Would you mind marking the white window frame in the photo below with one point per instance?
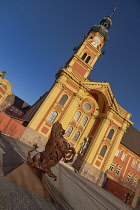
(117, 153)
(52, 117)
(123, 157)
(133, 164)
(138, 169)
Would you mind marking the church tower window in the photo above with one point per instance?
(63, 100)
(84, 56)
(87, 59)
(52, 117)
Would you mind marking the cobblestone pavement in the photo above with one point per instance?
(71, 190)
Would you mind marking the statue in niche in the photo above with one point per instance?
(84, 146)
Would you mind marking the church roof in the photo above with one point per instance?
(131, 140)
(17, 102)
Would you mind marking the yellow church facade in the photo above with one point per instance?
(94, 122)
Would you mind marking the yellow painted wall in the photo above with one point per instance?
(5, 89)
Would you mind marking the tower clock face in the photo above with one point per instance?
(96, 42)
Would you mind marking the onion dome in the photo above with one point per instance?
(105, 24)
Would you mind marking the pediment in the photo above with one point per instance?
(105, 89)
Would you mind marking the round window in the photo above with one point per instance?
(87, 106)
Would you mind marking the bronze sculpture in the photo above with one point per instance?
(56, 149)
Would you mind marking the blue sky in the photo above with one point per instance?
(38, 36)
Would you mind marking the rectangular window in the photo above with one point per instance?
(117, 153)
(134, 182)
(12, 108)
(16, 110)
(133, 164)
(128, 178)
(118, 171)
(138, 169)
(111, 167)
(123, 157)
(20, 113)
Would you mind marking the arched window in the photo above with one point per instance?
(84, 120)
(68, 131)
(84, 56)
(88, 59)
(77, 116)
(110, 134)
(63, 100)
(52, 117)
(103, 151)
(76, 136)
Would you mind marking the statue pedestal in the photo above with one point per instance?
(32, 179)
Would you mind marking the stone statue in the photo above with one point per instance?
(84, 146)
(56, 149)
(2, 74)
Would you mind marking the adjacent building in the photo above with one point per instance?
(5, 90)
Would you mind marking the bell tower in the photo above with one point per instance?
(86, 54)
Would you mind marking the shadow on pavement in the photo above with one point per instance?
(10, 159)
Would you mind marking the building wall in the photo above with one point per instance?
(10, 126)
(16, 112)
(119, 191)
(5, 90)
(129, 174)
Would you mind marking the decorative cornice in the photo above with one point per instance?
(77, 97)
(122, 129)
(69, 76)
(59, 84)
